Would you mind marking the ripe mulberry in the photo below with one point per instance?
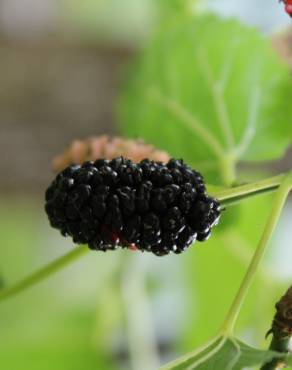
(151, 206)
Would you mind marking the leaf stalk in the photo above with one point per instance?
(278, 204)
(43, 273)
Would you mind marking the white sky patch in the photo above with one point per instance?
(266, 15)
(281, 255)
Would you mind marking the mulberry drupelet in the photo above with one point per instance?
(155, 207)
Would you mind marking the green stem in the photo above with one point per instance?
(228, 169)
(281, 346)
(279, 201)
(238, 193)
(226, 197)
(43, 273)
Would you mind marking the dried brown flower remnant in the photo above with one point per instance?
(281, 331)
(104, 146)
(282, 324)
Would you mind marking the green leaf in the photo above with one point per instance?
(56, 328)
(168, 8)
(222, 353)
(1, 282)
(211, 91)
(289, 361)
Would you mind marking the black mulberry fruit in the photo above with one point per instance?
(150, 206)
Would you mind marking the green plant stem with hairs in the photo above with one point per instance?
(281, 185)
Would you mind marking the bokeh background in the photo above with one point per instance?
(61, 67)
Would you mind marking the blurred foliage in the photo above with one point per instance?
(108, 21)
(213, 92)
(193, 70)
(128, 23)
(168, 10)
(216, 270)
(50, 326)
(77, 318)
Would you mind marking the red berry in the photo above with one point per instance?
(288, 8)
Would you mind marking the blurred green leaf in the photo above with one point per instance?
(107, 21)
(1, 282)
(54, 325)
(213, 272)
(175, 7)
(289, 362)
(224, 353)
(211, 91)
(44, 335)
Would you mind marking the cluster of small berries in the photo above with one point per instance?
(150, 206)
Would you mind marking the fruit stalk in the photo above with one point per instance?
(236, 194)
(278, 204)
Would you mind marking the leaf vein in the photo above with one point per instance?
(210, 354)
(252, 115)
(218, 99)
(189, 121)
